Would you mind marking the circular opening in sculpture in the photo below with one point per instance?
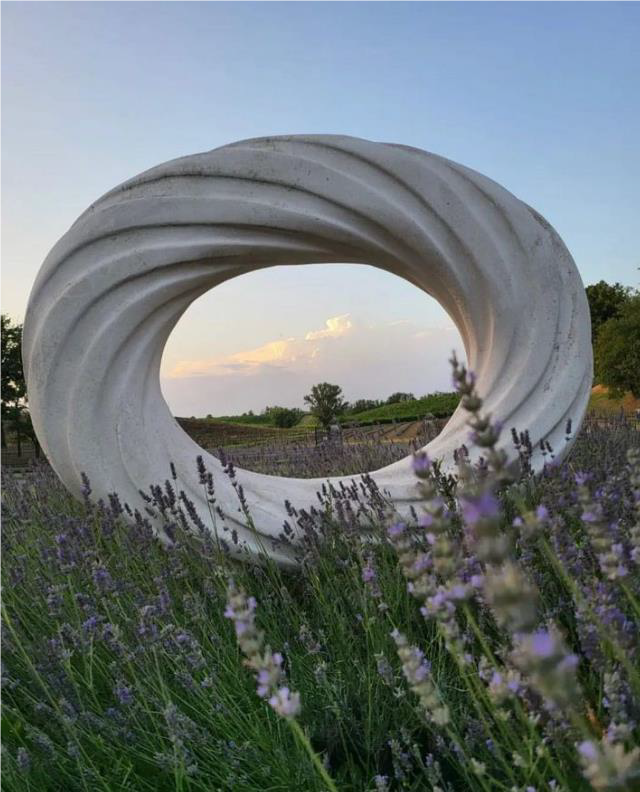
(241, 360)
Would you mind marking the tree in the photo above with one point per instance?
(360, 405)
(24, 428)
(395, 398)
(14, 388)
(617, 351)
(606, 301)
(284, 417)
(326, 402)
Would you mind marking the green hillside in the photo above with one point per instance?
(249, 420)
(440, 405)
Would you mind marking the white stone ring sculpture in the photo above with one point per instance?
(112, 289)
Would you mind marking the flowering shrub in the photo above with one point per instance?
(488, 642)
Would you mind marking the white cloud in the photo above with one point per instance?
(274, 353)
(335, 327)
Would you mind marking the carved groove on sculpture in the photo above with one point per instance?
(111, 290)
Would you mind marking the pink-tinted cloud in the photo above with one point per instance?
(287, 352)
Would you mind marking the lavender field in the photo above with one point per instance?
(355, 451)
(490, 644)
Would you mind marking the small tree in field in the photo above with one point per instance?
(617, 351)
(284, 417)
(326, 402)
(398, 397)
(360, 405)
(14, 389)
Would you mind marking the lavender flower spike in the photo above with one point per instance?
(417, 671)
(265, 664)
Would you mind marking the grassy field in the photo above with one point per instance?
(214, 434)
(600, 401)
(359, 448)
(491, 644)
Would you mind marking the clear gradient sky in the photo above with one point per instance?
(542, 97)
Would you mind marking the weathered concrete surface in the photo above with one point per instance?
(112, 289)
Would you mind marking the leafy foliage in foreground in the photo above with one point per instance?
(489, 644)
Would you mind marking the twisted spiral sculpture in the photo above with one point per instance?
(111, 290)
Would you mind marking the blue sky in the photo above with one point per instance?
(541, 97)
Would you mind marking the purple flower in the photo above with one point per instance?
(421, 464)
(285, 703)
(425, 520)
(123, 693)
(382, 783)
(542, 513)
(590, 517)
(588, 750)
(396, 529)
(458, 591)
(266, 665)
(89, 626)
(263, 678)
(23, 760)
(479, 507)
(543, 644)
(368, 573)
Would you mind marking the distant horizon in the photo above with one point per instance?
(306, 409)
(535, 96)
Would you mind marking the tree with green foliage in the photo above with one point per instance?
(617, 351)
(360, 405)
(284, 417)
(397, 398)
(326, 402)
(14, 388)
(606, 302)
